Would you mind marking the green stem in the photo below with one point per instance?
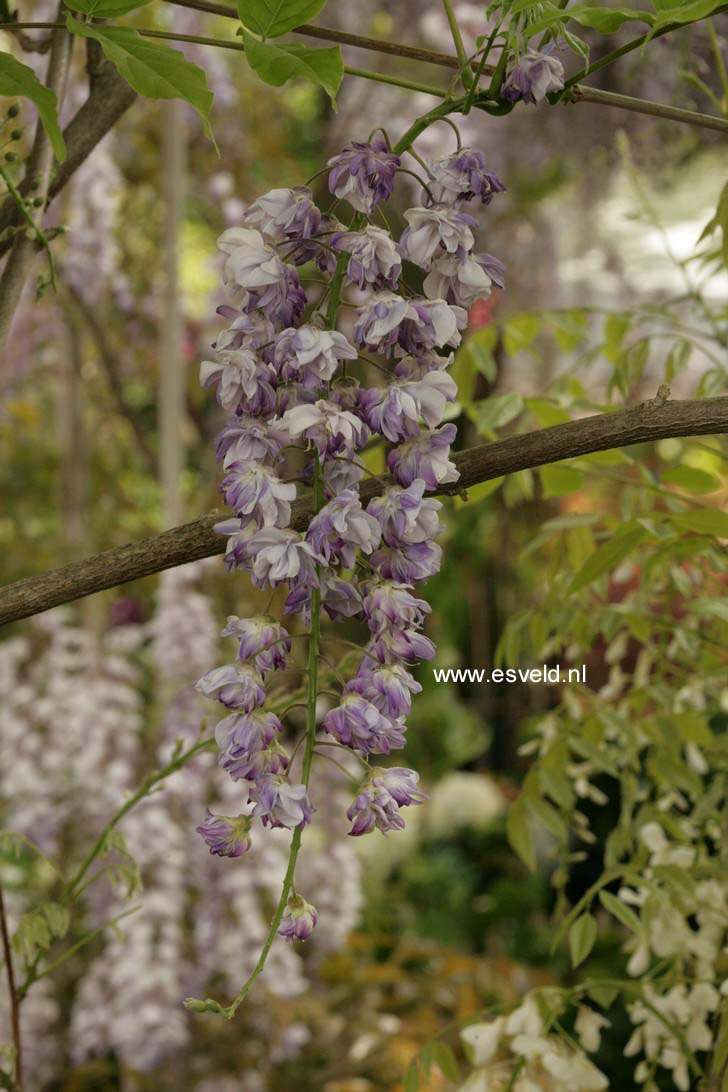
(35, 228)
(395, 81)
(144, 789)
(466, 74)
(31, 979)
(720, 63)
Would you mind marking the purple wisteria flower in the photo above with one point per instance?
(340, 528)
(381, 797)
(299, 919)
(277, 555)
(237, 686)
(226, 836)
(284, 214)
(243, 733)
(388, 604)
(331, 430)
(310, 355)
(432, 324)
(388, 686)
(285, 386)
(249, 440)
(379, 320)
(262, 640)
(239, 375)
(408, 562)
(534, 76)
(395, 411)
(406, 515)
(460, 279)
(363, 174)
(435, 231)
(281, 804)
(462, 176)
(426, 456)
(359, 724)
(255, 492)
(373, 257)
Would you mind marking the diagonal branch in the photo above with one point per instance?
(653, 420)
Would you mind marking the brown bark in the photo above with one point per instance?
(656, 419)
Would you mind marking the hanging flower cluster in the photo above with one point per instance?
(301, 414)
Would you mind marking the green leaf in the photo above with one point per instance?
(520, 332)
(519, 833)
(444, 1059)
(105, 9)
(557, 480)
(495, 412)
(154, 70)
(603, 19)
(18, 79)
(683, 13)
(620, 911)
(582, 935)
(547, 413)
(608, 556)
(271, 18)
(276, 64)
(411, 1079)
(703, 521)
(720, 220)
(692, 479)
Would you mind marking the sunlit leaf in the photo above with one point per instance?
(152, 69)
(17, 79)
(582, 936)
(276, 64)
(271, 18)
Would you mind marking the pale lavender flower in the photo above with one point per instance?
(284, 214)
(244, 733)
(235, 686)
(406, 515)
(279, 555)
(373, 257)
(280, 804)
(255, 765)
(395, 410)
(246, 331)
(358, 723)
(262, 640)
(299, 919)
(330, 429)
(534, 76)
(434, 232)
(389, 687)
(426, 456)
(462, 176)
(458, 278)
(239, 374)
(363, 174)
(251, 267)
(310, 355)
(340, 528)
(249, 440)
(339, 598)
(408, 562)
(388, 604)
(431, 324)
(379, 320)
(238, 538)
(427, 360)
(390, 646)
(255, 492)
(226, 836)
(380, 799)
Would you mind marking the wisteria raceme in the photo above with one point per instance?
(303, 404)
